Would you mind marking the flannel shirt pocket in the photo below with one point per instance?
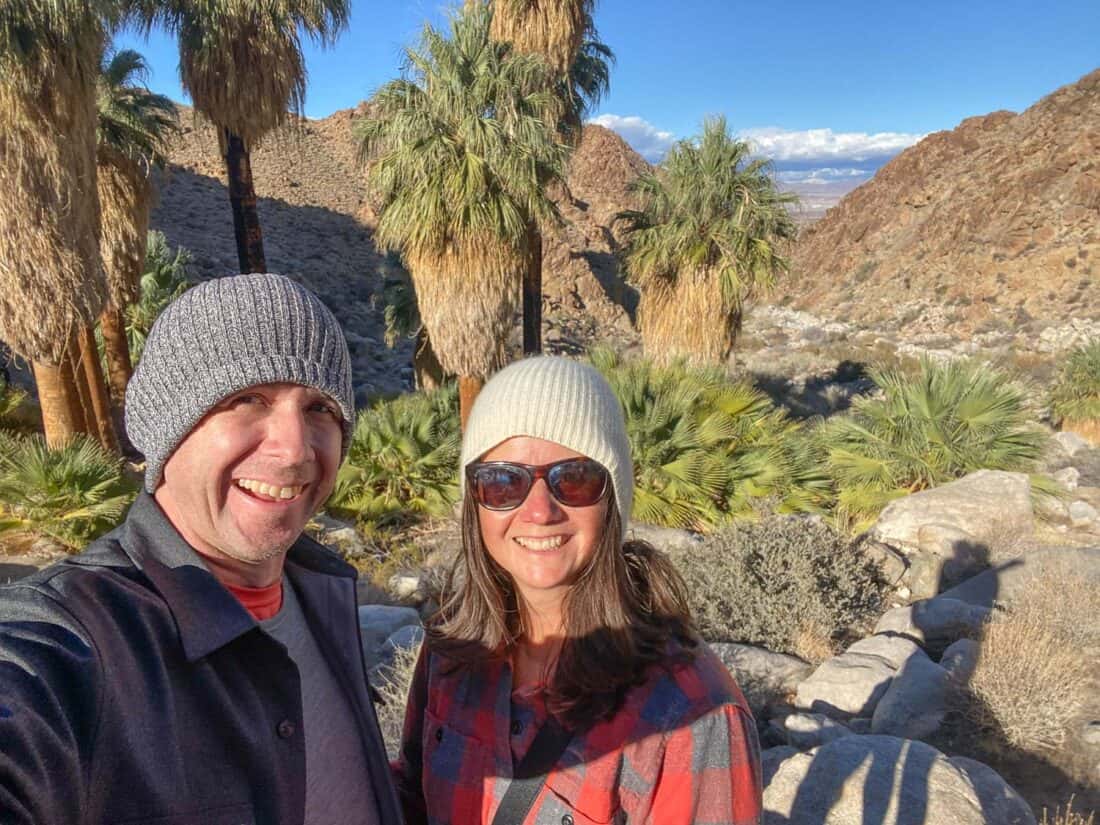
(457, 773)
(584, 805)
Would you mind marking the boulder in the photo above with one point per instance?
(668, 539)
(984, 505)
(1070, 443)
(377, 623)
(852, 683)
(764, 676)
(1083, 515)
(963, 554)
(809, 730)
(915, 704)
(934, 623)
(1068, 477)
(925, 574)
(890, 562)
(1005, 581)
(960, 659)
(772, 758)
(884, 780)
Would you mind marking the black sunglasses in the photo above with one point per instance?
(504, 485)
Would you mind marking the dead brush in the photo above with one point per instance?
(1068, 816)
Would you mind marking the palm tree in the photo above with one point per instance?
(241, 63)
(704, 241)
(458, 154)
(563, 34)
(134, 125)
(51, 279)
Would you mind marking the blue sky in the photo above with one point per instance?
(829, 90)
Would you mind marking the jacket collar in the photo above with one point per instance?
(207, 615)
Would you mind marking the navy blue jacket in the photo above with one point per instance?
(134, 688)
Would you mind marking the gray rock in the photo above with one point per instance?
(410, 587)
(915, 704)
(1006, 581)
(664, 538)
(852, 683)
(1083, 514)
(772, 758)
(809, 730)
(341, 535)
(986, 505)
(884, 780)
(377, 623)
(891, 563)
(963, 554)
(960, 659)
(1090, 733)
(1068, 477)
(934, 623)
(764, 676)
(1071, 443)
(925, 575)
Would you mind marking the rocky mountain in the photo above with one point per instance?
(994, 225)
(317, 222)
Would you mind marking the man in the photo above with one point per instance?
(200, 665)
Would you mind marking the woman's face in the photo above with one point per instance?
(542, 544)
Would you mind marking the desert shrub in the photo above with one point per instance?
(948, 420)
(706, 450)
(1076, 392)
(14, 416)
(789, 583)
(165, 279)
(403, 461)
(72, 494)
(394, 690)
(1030, 684)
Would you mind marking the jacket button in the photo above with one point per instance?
(285, 729)
(517, 728)
(567, 820)
(439, 734)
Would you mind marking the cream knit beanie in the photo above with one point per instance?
(559, 400)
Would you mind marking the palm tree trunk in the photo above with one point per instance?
(532, 293)
(426, 367)
(62, 415)
(99, 401)
(242, 199)
(468, 388)
(117, 349)
(86, 423)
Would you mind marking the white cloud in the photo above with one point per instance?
(645, 138)
(821, 176)
(825, 145)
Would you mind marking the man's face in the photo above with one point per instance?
(244, 482)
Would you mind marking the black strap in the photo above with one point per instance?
(531, 773)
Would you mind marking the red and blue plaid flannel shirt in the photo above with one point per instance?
(683, 749)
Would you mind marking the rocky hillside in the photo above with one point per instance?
(992, 226)
(317, 221)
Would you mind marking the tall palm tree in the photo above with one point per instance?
(241, 63)
(458, 154)
(563, 34)
(134, 125)
(704, 241)
(51, 279)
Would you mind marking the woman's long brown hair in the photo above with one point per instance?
(620, 617)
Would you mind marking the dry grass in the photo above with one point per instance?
(394, 691)
(1068, 816)
(1032, 682)
(813, 642)
(687, 318)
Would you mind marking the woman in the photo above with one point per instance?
(555, 628)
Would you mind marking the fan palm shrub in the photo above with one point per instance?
(706, 450)
(403, 461)
(704, 241)
(165, 278)
(71, 494)
(51, 282)
(134, 125)
(459, 152)
(919, 431)
(12, 404)
(241, 63)
(1075, 397)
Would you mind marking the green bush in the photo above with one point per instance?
(788, 583)
(403, 461)
(14, 404)
(164, 280)
(72, 494)
(707, 450)
(1076, 392)
(927, 429)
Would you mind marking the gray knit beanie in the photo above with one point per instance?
(559, 400)
(221, 337)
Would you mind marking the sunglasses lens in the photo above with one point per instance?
(500, 487)
(579, 483)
